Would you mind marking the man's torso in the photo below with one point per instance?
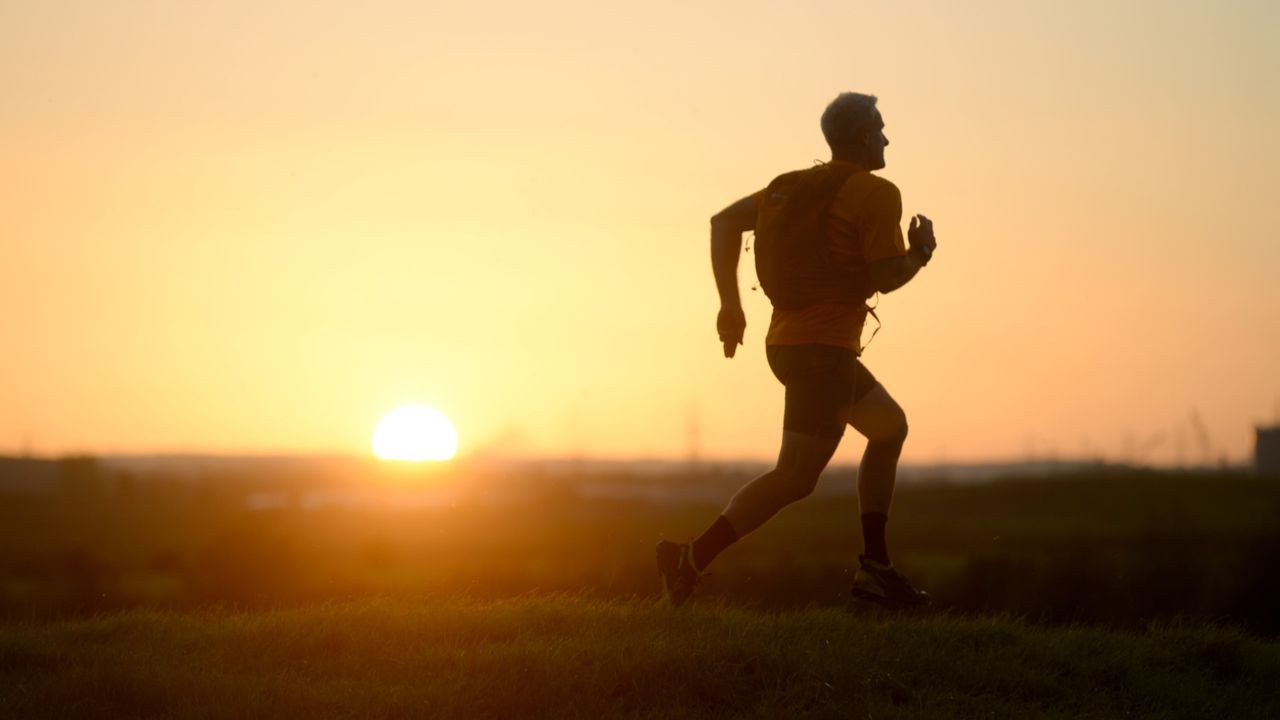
(863, 225)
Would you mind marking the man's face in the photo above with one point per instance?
(875, 143)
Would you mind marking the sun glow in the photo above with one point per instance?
(415, 433)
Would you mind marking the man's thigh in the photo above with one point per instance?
(819, 382)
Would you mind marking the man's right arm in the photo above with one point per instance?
(727, 227)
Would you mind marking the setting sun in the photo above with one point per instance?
(415, 433)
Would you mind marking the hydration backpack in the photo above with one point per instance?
(792, 262)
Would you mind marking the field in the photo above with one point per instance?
(1107, 593)
(566, 657)
(1113, 547)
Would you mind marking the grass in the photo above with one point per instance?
(1114, 548)
(564, 656)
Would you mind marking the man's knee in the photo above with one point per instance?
(803, 485)
(879, 417)
(802, 462)
(900, 433)
(893, 431)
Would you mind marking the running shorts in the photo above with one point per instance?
(822, 382)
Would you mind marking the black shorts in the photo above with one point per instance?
(823, 382)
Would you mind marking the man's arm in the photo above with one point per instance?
(892, 273)
(727, 227)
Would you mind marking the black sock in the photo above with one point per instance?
(873, 537)
(717, 537)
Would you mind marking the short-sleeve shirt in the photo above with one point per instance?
(864, 226)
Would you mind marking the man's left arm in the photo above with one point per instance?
(892, 273)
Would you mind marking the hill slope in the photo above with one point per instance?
(563, 656)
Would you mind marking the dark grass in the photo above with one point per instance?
(565, 656)
(1117, 548)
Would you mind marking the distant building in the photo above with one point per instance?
(27, 476)
(1266, 454)
(35, 476)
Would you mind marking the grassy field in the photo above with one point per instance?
(1112, 548)
(564, 656)
(1104, 593)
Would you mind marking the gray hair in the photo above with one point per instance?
(848, 116)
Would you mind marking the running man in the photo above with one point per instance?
(827, 238)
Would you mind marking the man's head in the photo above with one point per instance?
(854, 130)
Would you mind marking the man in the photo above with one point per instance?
(818, 274)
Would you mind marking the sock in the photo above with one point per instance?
(717, 537)
(873, 536)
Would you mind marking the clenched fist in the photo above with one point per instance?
(920, 236)
(730, 324)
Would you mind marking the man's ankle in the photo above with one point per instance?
(873, 537)
(711, 543)
(877, 563)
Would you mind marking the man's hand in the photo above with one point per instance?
(731, 323)
(920, 235)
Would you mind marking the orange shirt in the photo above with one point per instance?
(864, 226)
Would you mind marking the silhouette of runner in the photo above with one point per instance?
(827, 238)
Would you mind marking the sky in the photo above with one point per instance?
(257, 227)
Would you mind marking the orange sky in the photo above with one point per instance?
(256, 227)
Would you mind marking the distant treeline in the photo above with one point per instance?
(1120, 548)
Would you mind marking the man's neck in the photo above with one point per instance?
(849, 159)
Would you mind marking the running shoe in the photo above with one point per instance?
(675, 568)
(883, 584)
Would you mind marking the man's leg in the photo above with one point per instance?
(819, 397)
(881, 420)
(800, 461)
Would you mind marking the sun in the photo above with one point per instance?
(415, 433)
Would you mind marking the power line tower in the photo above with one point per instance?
(1202, 438)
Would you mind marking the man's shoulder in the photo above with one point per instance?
(789, 177)
(872, 184)
(864, 191)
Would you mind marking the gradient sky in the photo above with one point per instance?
(257, 227)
